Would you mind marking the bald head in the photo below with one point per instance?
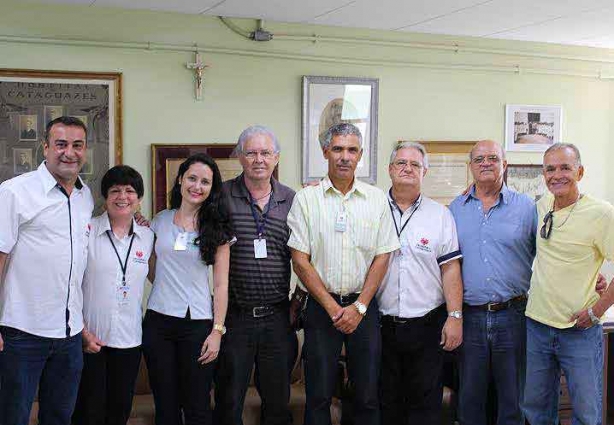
(489, 145)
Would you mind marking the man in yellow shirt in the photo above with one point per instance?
(341, 237)
(563, 329)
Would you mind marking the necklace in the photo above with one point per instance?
(570, 211)
(185, 222)
(262, 197)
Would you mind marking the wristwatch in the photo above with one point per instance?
(362, 309)
(594, 318)
(220, 328)
(457, 314)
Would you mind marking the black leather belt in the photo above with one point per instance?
(262, 310)
(346, 299)
(395, 320)
(496, 306)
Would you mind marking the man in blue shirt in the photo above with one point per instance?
(496, 232)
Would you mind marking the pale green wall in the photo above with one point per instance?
(239, 89)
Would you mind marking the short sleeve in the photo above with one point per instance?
(448, 249)
(605, 236)
(387, 239)
(10, 219)
(299, 225)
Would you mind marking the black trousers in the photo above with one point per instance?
(321, 353)
(412, 369)
(266, 342)
(181, 386)
(107, 386)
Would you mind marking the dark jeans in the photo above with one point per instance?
(270, 344)
(412, 366)
(107, 386)
(179, 383)
(494, 349)
(28, 361)
(321, 352)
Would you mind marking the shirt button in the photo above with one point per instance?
(483, 241)
(486, 260)
(488, 279)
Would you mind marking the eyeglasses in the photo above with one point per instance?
(251, 155)
(546, 229)
(490, 158)
(402, 164)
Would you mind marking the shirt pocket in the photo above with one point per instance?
(364, 234)
(507, 233)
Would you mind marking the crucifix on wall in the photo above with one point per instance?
(198, 66)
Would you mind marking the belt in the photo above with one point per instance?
(261, 310)
(496, 306)
(346, 299)
(396, 320)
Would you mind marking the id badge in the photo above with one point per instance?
(181, 243)
(259, 248)
(123, 295)
(341, 221)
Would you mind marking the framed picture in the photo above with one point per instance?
(449, 173)
(331, 100)
(22, 160)
(532, 128)
(526, 178)
(166, 159)
(29, 99)
(88, 167)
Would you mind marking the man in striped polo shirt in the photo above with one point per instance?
(342, 236)
(258, 324)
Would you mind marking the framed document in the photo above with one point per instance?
(526, 178)
(332, 100)
(449, 173)
(166, 159)
(532, 128)
(29, 99)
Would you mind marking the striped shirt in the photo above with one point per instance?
(342, 258)
(258, 281)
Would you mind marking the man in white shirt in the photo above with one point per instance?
(421, 296)
(44, 225)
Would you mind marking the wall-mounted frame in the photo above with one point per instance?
(166, 159)
(526, 178)
(331, 100)
(532, 128)
(449, 173)
(29, 99)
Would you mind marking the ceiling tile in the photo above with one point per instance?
(391, 14)
(494, 17)
(277, 10)
(183, 6)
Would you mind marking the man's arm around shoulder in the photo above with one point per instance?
(3, 257)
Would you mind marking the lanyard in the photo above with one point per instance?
(260, 221)
(414, 208)
(124, 265)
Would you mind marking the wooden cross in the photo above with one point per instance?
(198, 66)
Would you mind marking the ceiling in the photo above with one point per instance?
(575, 22)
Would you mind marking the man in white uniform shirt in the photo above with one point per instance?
(421, 296)
(44, 225)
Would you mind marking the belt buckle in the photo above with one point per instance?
(343, 299)
(261, 311)
(398, 320)
(491, 307)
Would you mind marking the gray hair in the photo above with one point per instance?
(411, 145)
(560, 146)
(341, 129)
(256, 130)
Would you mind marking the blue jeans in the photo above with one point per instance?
(493, 350)
(579, 354)
(28, 361)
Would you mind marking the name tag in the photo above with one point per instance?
(123, 294)
(341, 221)
(260, 248)
(181, 243)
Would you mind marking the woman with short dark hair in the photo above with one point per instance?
(113, 284)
